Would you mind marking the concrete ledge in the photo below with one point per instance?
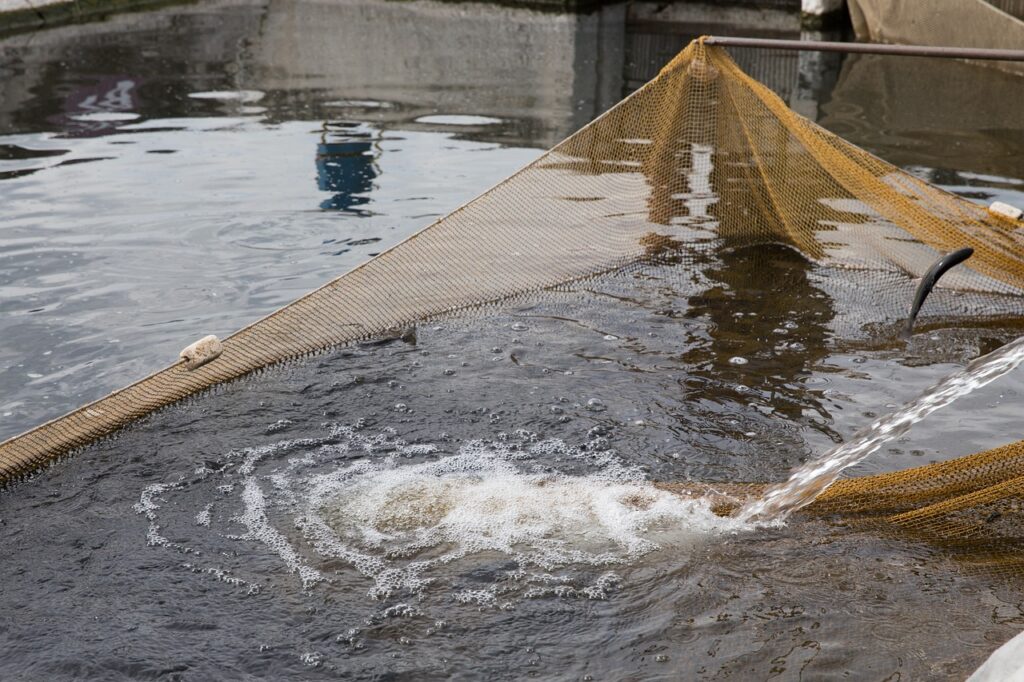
(27, 15)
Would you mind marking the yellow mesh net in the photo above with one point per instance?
(701, 154)
(971, 506)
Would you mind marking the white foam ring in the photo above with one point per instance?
(412, 519)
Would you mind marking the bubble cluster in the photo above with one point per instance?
(486, 524)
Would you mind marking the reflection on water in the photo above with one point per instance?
(119, 250)
(98, 108)
(237, 155)
(345, 165)
(971, 139)
(767, 331)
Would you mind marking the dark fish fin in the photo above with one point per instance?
(937, 270)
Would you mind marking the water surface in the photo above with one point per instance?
(480, 502)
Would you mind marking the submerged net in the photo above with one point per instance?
(702, 156)
(971, 506)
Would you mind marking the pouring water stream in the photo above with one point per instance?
(811, 479)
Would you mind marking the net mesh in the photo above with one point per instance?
(702, 154)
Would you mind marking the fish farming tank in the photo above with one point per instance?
(546, 345)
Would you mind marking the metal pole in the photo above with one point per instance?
(870, 48)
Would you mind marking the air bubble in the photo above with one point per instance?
(737, 360)
(312, 659)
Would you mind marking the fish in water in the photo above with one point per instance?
(928, 282)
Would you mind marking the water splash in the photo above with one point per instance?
(810, 480)
(486, 523)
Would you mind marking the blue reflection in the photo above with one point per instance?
(346, 167)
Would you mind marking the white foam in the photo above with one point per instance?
(246, 96)
(148, 506)
(203, 517)
(412, 520)
(259, 528)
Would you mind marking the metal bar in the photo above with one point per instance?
(870, 48)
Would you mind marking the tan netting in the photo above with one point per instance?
(970, 507)
(701, 155)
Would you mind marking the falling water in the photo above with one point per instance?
(810, 480)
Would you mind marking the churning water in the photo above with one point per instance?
(355, 497)
(811, 479)
(404, 515)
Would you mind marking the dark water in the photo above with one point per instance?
(477, 504)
